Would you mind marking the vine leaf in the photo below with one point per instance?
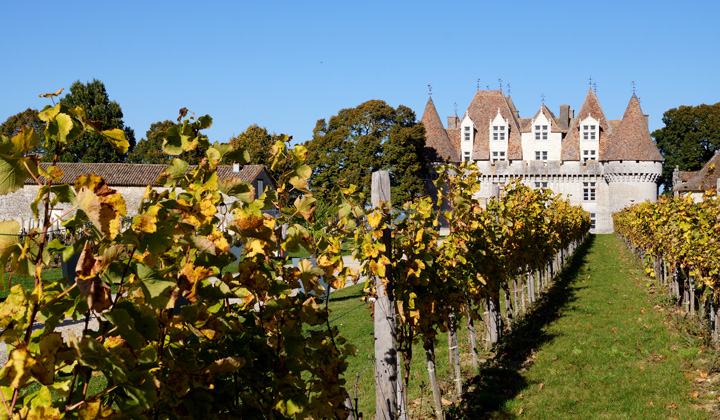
(13, 171)
(116, 137)
(96, 291)
(8, 245)
(102, 204)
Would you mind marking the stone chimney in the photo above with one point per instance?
(647, 120)
(564, 117)
(452, 122)
(236, 167)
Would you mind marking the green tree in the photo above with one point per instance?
(373, 136)
(258, 142)
(106, 113)
(149, 149)
(15, 123)
(691, 136)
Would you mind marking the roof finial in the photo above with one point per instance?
(478, 83)
(590, 81)
(633, 86)
(542, 98)
(487, 87)
(455, 106)
(429, 90)
(508, 88)
(500, 82)
(595, 88)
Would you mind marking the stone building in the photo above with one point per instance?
(130, 180)
(696, 183)
(603, 165)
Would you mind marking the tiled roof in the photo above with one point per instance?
(631, 140)
(438, 146)
(701, 180)
(571, 143)
(554, 126)
(482, 110)
(138, 174)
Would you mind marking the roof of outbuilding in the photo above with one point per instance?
(438, 146)
(631, 140)
(704, 179)
(138, 174)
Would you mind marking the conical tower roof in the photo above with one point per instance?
(438, 146)
(590, 108)
(631, 140)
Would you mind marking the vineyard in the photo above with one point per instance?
(677, 239)
(184, 337)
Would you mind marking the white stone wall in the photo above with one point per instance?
(617, 184)
(16, 206)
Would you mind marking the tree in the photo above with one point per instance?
(258, 142)
(15, 123)
(373, 136)
(91, 147)
(149, 149)
(691, 136)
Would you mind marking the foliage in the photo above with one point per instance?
(679, 231)
(104, 114)
(15, 123)
(183, 337)
(258, 142)
(150, 148)
(691, 136)
(430, 278)
(373, 136)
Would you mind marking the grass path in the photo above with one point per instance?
(599, 346)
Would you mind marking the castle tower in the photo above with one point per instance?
(632, 162)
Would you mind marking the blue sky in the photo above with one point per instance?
(284, 65)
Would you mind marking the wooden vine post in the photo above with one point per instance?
(493, 317)
(386, 353)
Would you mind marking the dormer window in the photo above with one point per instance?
(541, 155)
(467, 134)
(496, 156)
(589, 154)
(498, 132)
(466, 156)
(541, 132)
(589, 132)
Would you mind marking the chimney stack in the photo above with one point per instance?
(236, 167)
(564, 117)
(452, 122)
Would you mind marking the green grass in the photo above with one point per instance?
(357, 327)
(599, 345)
(28, 283)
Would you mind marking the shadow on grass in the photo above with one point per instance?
(500, 378)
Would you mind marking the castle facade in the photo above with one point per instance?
(602, 165)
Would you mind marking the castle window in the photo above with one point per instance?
(541, 155)
(498, 156)
(592, 220)
(466, 156)
(467, 134)
(589, 132)
(541, 185)
(589, 155)
(541, 132)
(588, 191)
(498, 132)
